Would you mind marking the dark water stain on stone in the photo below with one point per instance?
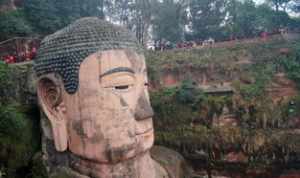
(77, 126)
(96, 138)
(123, 103)
(116, 154)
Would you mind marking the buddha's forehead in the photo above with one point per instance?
(121, 59)
(115, 60)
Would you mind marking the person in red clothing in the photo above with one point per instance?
(33, 52)
(12, 59)
(9, 59)
(264, 35)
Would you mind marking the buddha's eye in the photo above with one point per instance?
(146, 84)
(122, 87)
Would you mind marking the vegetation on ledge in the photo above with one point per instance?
(250, 122)
(19, 131)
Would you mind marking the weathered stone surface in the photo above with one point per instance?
(23, 81)
(66, 173)
(172, 161)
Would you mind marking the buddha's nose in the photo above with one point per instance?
(143, 109)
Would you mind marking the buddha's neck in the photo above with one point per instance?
(141, 166)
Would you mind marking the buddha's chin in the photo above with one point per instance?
(144, 142)
(87, 167)
(131, 155)
(114, 155)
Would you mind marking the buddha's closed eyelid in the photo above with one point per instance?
(121, 81)
(122, 87)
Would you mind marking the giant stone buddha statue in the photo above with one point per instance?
(93, 90)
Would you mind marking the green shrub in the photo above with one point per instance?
(5, 83)
(187, 92)
(12, 122)
(14, 23)
(291, 65)
(19, 130)
(48, 16)
(262, 75)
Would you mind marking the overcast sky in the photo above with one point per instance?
(259, 1)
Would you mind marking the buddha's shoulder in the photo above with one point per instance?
(171, 161)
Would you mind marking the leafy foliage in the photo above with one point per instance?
(136, 15)
(19, 134)
(262, 75)
(164, 28)
(207, 17)
(5, 76)
(291, 65)
(47, 16)
(184, 105)
(12, 122)
(169, 19)
(186, 116)
(14, 24)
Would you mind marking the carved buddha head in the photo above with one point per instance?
(92, 86)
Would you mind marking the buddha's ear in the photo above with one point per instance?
(50, 98)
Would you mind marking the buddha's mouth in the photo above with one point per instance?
(146, 132)
(144, 127)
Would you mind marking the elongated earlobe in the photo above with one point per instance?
(50, 98)
(59, 131)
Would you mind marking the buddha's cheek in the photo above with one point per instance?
(93, 148)
(108, 136)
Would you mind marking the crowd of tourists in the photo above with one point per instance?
(162, 45)
(159, 45)
(21, 57)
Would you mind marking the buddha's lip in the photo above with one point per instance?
(109, 163)
(145, 132)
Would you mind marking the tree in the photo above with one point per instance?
(118, 11)
(279, 4)
(207, 18)
(135, 14)
(267, 18)
(13, 23)
(48, 16)
(142, 15)
(169, 21)
(247, 20)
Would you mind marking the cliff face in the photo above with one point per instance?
(234, 110)
(214, 65)
(231, 111)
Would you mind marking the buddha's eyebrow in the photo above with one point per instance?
(116, 70)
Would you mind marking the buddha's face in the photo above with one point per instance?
(109, 118)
